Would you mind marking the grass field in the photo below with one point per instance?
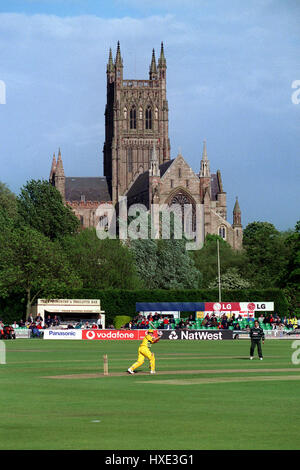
(205, 395)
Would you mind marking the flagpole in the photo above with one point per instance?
(219, 271)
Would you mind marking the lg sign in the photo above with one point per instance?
(238, 306)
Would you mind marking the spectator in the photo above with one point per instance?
(15, 325)
(48, 321)
(34, 330)
(94, 326)
(56, 321)
(99, 322)
(224, 323)
(166, 323)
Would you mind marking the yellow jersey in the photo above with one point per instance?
(147, 341)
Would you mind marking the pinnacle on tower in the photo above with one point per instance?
(236, 209)
(204, 169)
(237, 214)
(118, 60)
(110, 64)
(162, 60)
(153, 69)
(53, 167)
(204, 152)
(154, 164)
(59, 165)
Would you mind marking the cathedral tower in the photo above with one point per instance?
(136, 118)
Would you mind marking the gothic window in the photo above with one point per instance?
(179, 172)
(171, 183)
(133, 118)
(186, 206)
(129, 160)
(187, 183)
(222, 232)
(148, 118)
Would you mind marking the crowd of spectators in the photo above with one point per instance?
(236, 322)
(224, 321)
(36, 326)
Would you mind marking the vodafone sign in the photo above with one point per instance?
(113, 334)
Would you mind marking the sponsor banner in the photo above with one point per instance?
(221, 307)
(113, 335)
(197, 335)
(22, 333)
(63, 334)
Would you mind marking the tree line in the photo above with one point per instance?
(44, 253)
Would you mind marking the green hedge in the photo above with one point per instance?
(122, 302)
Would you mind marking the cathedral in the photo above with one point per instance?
(137, 162)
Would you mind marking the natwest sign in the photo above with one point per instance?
(113, 334)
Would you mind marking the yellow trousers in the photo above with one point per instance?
(142, 353)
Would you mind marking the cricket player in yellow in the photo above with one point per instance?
(144, 351)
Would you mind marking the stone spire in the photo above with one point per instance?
(162, 60)
(153, 69)
(59, 165)
(154, 164)
(118, 61)
(110, 64)
(204, 168)
(60, 179)
(53, 168)
(237, 214)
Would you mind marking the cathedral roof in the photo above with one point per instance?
(91, 188)
(215, 186)
(141, 184)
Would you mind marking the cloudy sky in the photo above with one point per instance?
(231, 66)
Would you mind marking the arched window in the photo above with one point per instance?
(187, 210)
(222, 232)
(133, 118)
(148, 118)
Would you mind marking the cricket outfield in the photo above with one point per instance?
(205, 395)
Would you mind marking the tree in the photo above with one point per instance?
(230, 280)
(41, 207)
(101, 263)
(8, 202)
(206, 259)
(31, 263)
(290, 279)
(266, 253)
(165, 264)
